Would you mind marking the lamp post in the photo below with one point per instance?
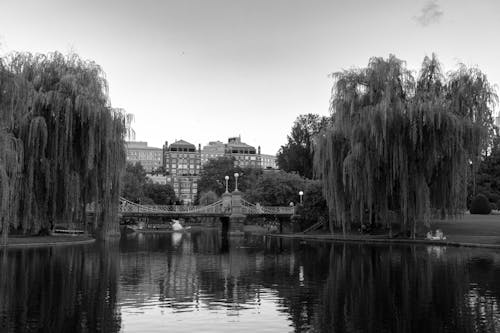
(226, 178)
(236, 175)
(301, 194)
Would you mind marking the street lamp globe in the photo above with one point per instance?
(236, 175)
(301, 193)
(226, 178)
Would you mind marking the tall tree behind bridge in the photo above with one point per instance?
(62, 144)
(213, 173)
(297, 154)
(402, 144)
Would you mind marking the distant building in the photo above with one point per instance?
(149, 157)
(182, 163)
(244, 154)
(497, 121)
(268, 161)
(213, 150)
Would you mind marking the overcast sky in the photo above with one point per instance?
(205, 70)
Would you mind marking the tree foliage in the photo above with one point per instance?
(139, 189)
(314, 207)
(62, 145)
(214, 171)
(297, 154)
(487, 180)
(402, 144)
(160, 194)
(134, 179)
(480, 205)
(276, 189)
(207, 198)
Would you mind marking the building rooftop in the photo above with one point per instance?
(182, 144)
(236, 143)
(138, 145)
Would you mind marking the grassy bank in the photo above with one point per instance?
(470, 230)
(482, 229)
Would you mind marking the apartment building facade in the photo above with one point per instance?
(149, 157)
(213, 150)
(244, 154)
(182, 166)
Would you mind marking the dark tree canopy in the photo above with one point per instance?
(61, 144)
(277, 188)
(402, 144)
(314, 207)
(488, 174)
(213, 173)
(139, 189)
(133, 181)
(480, 205)
(160, 194)
(297, 154)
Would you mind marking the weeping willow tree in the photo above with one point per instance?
(62, 145)
(400, 144)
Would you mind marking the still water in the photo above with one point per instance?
(199, 282)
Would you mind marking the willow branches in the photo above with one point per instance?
(62, 144)
(400, 144)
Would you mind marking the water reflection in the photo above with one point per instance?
(70, 289)
(407, 289)
(201, 282)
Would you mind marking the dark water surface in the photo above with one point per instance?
(200, 283)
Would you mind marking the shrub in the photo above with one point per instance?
(207, 198)
(480, 205)
(493, 206)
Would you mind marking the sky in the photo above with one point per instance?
(207, 70)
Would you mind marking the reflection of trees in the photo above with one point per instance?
(67, 289)
(400, 289)
(204, 271)
(321, 286)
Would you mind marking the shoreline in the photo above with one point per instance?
(480, 231)
(43, 241)
(383, 241)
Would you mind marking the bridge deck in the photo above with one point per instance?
(217, 209)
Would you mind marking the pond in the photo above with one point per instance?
(199, 282)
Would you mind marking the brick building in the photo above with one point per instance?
(244, 154)
(182, 163)
(149, 157)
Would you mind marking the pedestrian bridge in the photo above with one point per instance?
(231, 211)
(217, 209)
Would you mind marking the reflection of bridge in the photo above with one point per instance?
(231, 210)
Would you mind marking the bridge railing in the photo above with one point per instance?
(256, 209)
(217, 207)
(127, 206)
